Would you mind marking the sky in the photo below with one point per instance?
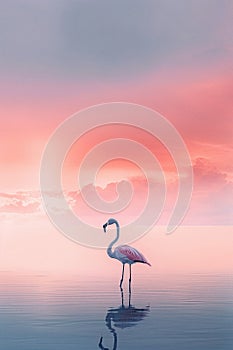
(59, 57)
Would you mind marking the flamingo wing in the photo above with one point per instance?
(130, 253)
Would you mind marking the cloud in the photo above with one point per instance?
(114, 199)
(211, 202)
(207, 175)
(19, 202)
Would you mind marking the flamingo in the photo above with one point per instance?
(124, 253)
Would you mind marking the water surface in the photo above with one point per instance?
(43, 312)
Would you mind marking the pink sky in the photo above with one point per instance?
(194, 108)
(181, 67)
(36, 246)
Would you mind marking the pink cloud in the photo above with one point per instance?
(207, 175)
(211, 202)
(20, 202)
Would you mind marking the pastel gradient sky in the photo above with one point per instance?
(58, 57)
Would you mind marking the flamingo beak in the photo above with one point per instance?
(104, 226)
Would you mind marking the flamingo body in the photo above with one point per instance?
(129, 255)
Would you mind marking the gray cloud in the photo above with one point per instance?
(106, 39)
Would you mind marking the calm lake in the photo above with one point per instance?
(193, 311)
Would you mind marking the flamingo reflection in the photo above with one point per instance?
(123, 317)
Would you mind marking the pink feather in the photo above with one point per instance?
(131, 253)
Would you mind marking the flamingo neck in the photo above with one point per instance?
(109, 250)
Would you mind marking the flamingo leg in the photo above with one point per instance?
(122, 276)
(122, 298)
(130, 278)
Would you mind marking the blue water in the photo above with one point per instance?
(164, 312)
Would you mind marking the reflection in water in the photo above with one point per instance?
(123, 317)
(191, 312)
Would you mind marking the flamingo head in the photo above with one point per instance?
(109, 222)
